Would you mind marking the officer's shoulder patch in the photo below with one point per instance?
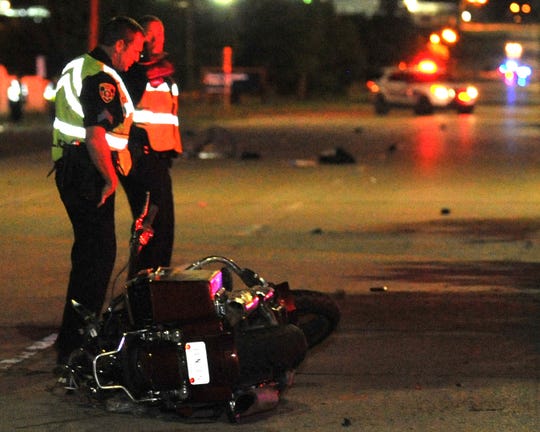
(107, 91)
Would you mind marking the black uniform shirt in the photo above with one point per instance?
(100, 98)
(135, 80)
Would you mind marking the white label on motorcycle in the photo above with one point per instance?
(197, 363)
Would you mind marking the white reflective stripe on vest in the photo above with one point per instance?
(116, 142)
(146, 116)
(129, 108)
(163, 87)
(67, 80)
(68, 129)
(77, 66)
(75, 78)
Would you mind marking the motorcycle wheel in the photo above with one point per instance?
(268, 353)
(317, 315)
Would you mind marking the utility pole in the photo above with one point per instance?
(93, 30)
(190, 45)
(188, 10)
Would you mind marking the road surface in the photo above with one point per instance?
(441, 210)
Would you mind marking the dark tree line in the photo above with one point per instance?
(306, 49)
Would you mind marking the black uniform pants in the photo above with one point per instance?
(151, 173)
(94, 248)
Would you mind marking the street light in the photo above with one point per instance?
(449, 35)
(465, 13)
(513, 50)
(438, 43)
(514, 7)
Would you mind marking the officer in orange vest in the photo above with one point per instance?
(153, 142)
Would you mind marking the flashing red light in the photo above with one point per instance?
(427, 66)
(372, 86)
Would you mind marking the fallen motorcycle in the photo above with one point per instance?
(187, 340)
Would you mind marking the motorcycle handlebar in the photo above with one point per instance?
(248, 276)
(143, 232)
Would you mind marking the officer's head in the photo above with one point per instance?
(154, 35)
(122, 38)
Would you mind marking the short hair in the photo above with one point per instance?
(119, 28)
(147, 19)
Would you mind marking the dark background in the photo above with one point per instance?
(305, 49)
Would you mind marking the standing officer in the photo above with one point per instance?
(153, 141)
(93, 116)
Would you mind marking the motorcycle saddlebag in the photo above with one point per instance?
(173, 296)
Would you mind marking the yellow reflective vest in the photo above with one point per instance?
(68, 125)
(157, 114)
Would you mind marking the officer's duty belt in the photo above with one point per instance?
(75, 143)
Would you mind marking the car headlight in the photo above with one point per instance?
(441, 92)
(472, 91)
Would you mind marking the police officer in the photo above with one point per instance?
(93, 115)
(153, 141)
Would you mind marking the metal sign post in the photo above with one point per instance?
(227, 75)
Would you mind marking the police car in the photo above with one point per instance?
(424, 88)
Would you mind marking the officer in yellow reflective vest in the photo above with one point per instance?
(154, 140)
(93, 116)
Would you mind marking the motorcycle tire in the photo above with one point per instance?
(317, 315)
(268, 353)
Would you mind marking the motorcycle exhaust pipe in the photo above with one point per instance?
(255, 401)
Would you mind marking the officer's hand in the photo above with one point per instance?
(100, 154)
(107, 191)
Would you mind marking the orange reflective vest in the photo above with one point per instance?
(157, 114)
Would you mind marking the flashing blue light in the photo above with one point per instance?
(508, 66)
(514, 73)
(524, 71)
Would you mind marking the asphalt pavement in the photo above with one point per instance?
(452, 344)
(399, 361)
